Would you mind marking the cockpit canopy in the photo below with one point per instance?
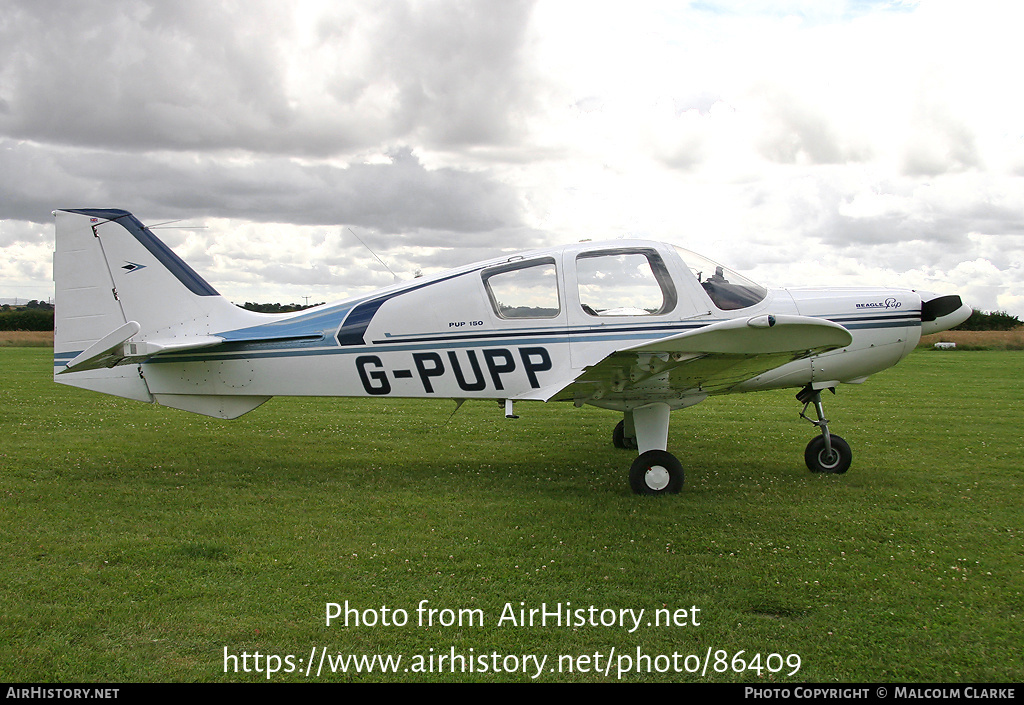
(621, 280)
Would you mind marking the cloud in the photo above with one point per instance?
(13, 232)
(796, 132)
(792, 135)
(939, 141)
(322, 80)
(141, 75)
(459, 69)
(397, 196)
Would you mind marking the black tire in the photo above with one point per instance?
(619, 439)
(656, 472)
(818, 461)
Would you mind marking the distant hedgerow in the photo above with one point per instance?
(26, 319)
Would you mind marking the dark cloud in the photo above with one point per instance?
(459, 69)
(133, 75)
(855, 234)
(395, 197)
(194, 109)
(140, 75)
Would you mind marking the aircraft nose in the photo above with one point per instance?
(939, 313)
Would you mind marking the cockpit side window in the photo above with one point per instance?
(624, 282)
(728, 290)
(524, 289)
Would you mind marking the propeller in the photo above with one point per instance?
(939, 307)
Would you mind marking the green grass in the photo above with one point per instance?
(140, 541)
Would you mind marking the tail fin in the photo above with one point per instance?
(116, 282)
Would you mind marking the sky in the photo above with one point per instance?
(801, 142)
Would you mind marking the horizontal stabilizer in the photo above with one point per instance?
(105, 352)
(115, 349)
(145, 349)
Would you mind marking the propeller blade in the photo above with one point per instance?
(938, 307)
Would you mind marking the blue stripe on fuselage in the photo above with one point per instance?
(319, 323)
(278, 339)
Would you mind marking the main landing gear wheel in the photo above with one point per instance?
(619, 437)
(656, 472)
(818, 458)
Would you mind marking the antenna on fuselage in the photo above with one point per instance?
(373, 253)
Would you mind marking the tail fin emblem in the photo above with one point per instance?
(132, 267)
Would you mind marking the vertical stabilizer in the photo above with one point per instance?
(114, 276)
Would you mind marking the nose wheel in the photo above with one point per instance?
(821, 459)
(827, 452)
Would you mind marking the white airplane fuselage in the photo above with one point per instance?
(624, 324)
(439, 337)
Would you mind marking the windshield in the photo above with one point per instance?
(728, 290)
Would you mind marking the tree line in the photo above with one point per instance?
(38, 315)
(277, 308)
(35, 315)
(997, 320)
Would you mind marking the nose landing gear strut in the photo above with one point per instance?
(827, 452)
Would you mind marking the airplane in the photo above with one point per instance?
(638, 327)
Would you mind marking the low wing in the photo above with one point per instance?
(709, 360)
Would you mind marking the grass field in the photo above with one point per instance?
(26, 338)
(978, 339)
(144, 544)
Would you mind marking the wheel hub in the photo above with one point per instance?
(827, 459)
(657, 478)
